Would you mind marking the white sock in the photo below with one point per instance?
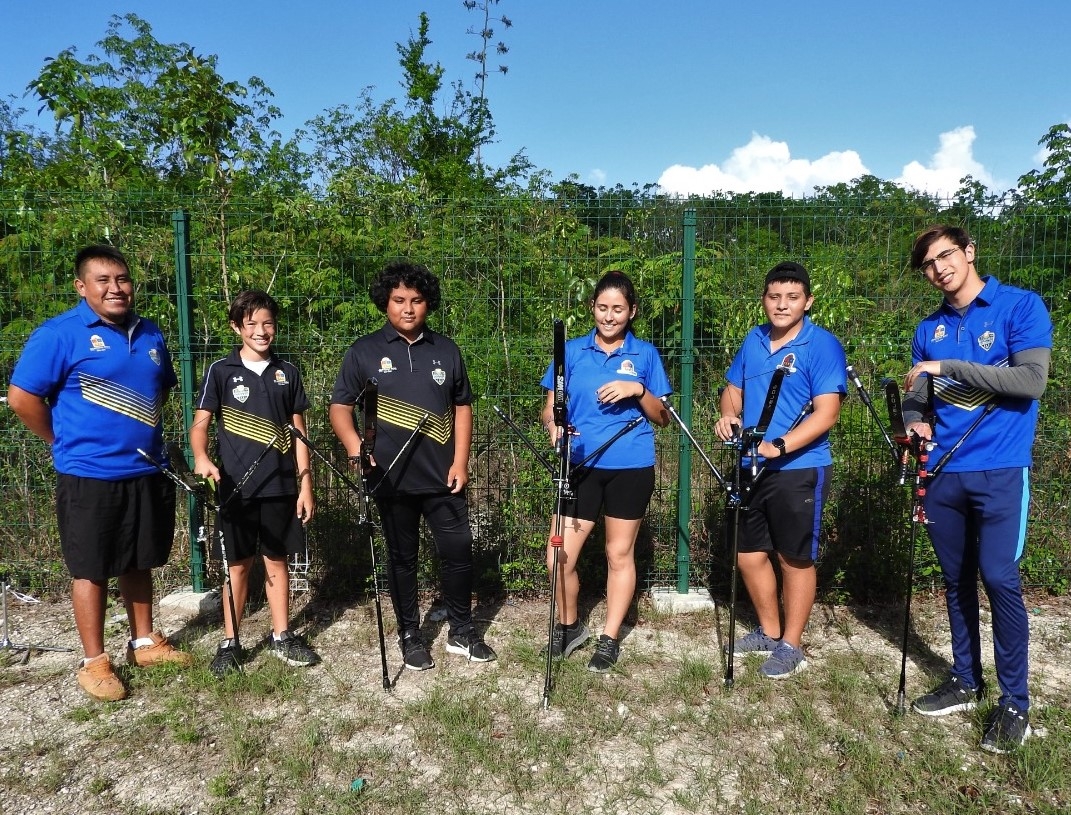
(140, 641)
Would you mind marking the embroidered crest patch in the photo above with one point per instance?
(986, 340)
(439, 375)
(241, 393)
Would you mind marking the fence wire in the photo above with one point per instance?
(508, 266)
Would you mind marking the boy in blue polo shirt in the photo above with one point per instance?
(988, 344)
(91, 383)
(784, 516)
(253, 395)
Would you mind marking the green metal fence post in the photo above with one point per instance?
(180, 224)
(684, 472)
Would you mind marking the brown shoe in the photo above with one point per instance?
(159, 652)
(99, 680)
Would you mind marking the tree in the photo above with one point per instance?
(357, 150)
(1051, 185)
(146, 110)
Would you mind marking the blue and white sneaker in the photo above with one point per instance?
(783, 662)
(757, 642)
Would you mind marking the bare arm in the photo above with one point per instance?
(732, 405)
(202, 463)
(651, 405)
(306, 504)
(458, 476)
(342, 423)
(825, 415)
(33, 411)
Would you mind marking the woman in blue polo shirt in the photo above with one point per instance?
(611, 379)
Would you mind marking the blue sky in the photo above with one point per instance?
(694, 95)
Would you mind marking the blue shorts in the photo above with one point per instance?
(621, 494)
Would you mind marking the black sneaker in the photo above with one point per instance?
(1006, 728)
(566, 640)
(605, 656)
(293, 650)
(228, 659)
(950, 696)
(415, 652)
(470, 645)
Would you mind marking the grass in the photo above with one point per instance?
(660, 734)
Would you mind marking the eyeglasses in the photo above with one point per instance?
(931, 264)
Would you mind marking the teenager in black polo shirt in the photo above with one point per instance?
(253, 394)
(417, 371)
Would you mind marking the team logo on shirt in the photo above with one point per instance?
(154, 355)
(280, 377)
(627, 367)
(386, 366)
(241, 393)
(439, 375)
(985, 341)
(96, 342)
(788, 364)
(939, 333)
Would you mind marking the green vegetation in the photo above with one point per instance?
(144, 129)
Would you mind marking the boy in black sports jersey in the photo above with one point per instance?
(417, 372)
(253, 395)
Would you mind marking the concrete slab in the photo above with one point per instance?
(668, 599)
(186, 604)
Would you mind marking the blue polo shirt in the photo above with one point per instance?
(106, 386)
(815, 365)
(1001, 321)
(588, 368)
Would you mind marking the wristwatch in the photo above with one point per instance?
(779, 443)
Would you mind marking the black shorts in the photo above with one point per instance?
(110, 528)
(266, 525)
(784, 513)
(621, 494)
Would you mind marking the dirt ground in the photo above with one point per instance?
(38, 690)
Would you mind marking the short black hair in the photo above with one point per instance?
(248, 302)
(98, 251)
(411, 276)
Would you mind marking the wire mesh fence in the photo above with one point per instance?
(508, 266)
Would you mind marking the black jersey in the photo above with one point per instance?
(424, 377)
(250, 410)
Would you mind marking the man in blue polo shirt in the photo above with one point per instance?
(785, 505)
(418, 371)
(91, 383)
(987, 347)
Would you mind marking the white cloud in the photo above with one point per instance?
(763, 165)
(597, 177)
(953, 160)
